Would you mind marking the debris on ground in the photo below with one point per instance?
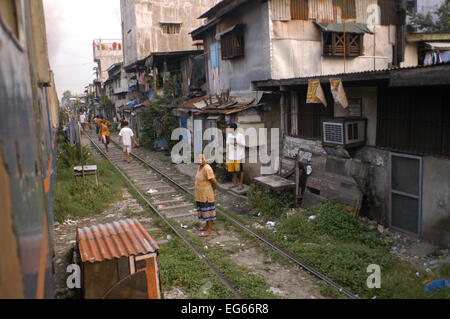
(270, 224)
(438, 284)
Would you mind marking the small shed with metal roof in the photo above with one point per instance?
(118, 260)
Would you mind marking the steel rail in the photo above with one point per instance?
(305, 266)
(174, 229)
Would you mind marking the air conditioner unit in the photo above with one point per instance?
(345, 131)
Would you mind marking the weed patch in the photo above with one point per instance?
(80, 200)
(269, 203)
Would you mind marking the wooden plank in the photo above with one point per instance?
(275, 182)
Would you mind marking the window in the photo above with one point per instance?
(304, 119)
(232, 43)
(414, 120)
(334, 44)
(171, 28)
(214, 55)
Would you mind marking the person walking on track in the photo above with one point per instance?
(98, 122)
(125, 136)
(205, 192)
(104, 131)
(83, 121)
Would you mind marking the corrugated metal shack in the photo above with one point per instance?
(119, 260)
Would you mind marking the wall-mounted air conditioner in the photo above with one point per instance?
(344, 131)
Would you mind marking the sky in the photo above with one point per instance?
(72, 25)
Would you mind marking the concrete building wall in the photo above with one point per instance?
(411, 55)
(237, 74)
(369, 109)
(436, 199)
(142, 30)
(297, 51)
(105, 55)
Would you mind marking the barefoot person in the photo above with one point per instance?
(104, 131)
(205, 192)
(236, 155)
(125, 136)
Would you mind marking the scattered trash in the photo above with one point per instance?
(312, 217)
(290, 213)
(285, 237)
(381, 228)
(161, 206)
(184, 226)
(417, 274)
(257, 226)
(374, 297)
(427, 270)
(276, 291)
(152, 191)
(438, 284)
(270, 224)
(206, 247)
(169, 237)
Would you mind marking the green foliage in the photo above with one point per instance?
(271, 204)
(67, 94)
(85, 199)
(69, 156)
(341, 248)
(105, 101)
(336, 221)
(433, 21)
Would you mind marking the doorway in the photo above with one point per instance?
(405, 193)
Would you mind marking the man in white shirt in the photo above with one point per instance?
(125, 136)
(236, 155)
(83, 121)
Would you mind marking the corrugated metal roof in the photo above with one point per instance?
(362, 75)
(339, 27)
(114, 240)
(281, 10)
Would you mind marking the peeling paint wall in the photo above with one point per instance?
(142, 30)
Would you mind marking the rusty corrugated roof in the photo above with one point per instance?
(114, 240)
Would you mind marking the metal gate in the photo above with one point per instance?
(405, 192)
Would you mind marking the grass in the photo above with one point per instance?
(182, 269)
(270, 204)
(338, 246)
(74, 201)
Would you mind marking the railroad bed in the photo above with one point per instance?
(170, 195)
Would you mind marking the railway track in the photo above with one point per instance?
(168, 190)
